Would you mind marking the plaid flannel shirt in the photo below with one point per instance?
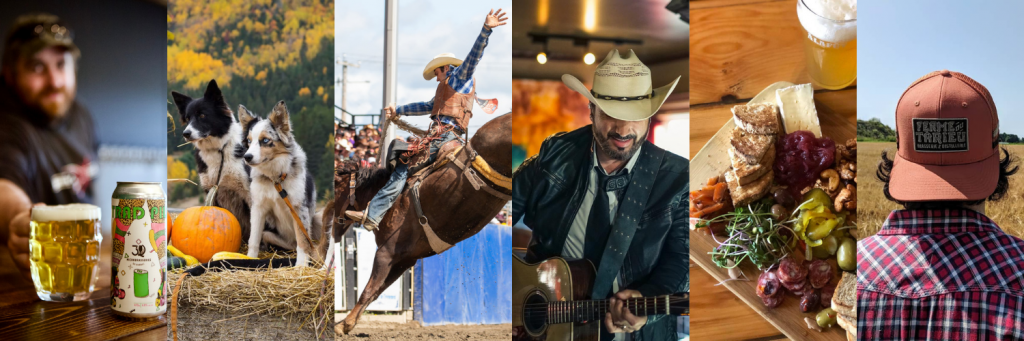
(460, 78)
(940, 275)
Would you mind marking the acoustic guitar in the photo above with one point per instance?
(550, 301)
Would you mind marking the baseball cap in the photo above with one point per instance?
(31, 33)
(947, 140)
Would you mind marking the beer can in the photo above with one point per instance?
(139, 263)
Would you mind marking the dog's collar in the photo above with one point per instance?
(280, 189)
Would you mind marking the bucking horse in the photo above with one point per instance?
(464, 189)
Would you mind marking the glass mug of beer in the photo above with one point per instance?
(830, 44)
(64, 249)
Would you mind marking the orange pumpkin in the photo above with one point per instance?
(205, 230)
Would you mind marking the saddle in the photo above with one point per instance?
(463, 157)
(400, 152)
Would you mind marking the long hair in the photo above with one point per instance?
(1007, 167)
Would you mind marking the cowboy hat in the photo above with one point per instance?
(439, 61)
(622, 88)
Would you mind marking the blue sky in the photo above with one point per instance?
(900, 41)
(425, 29)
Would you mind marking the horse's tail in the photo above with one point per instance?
(321, 228)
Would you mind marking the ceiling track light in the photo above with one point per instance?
(581, 39)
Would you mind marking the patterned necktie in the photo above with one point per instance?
(599, 223)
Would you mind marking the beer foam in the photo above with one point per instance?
(68, 212)
(829, 20)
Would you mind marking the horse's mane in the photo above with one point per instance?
(371, 177)
(347, 167)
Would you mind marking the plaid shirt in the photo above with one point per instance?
(460, 78)
(940, 275)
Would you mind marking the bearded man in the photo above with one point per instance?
(48, 142)
(605, 194)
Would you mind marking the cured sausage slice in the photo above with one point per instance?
(820, 273)
(796, 287)
(772, 302)
(792, 270)
(768, 285)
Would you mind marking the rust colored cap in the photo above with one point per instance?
(947, 140)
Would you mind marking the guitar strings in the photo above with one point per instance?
(571, 311)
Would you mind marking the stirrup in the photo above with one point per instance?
(355, 215)
(361, 217)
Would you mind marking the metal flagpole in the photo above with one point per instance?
(390, 75)
(390, 96)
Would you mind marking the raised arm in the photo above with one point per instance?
(464, 73)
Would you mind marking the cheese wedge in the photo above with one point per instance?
(797, 106)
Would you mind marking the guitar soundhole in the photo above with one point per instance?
(535, 313)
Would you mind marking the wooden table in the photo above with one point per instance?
(24, 317)
(737, 48)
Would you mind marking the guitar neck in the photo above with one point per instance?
(594, 310)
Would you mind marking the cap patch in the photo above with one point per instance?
(940, 135)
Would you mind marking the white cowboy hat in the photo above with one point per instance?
(439, 61)
(622, 88)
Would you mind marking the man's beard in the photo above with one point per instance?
(53, 109)
(604, 144)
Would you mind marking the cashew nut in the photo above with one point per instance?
(847, 199)
(833, 179)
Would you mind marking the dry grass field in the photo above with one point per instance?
(873, 207)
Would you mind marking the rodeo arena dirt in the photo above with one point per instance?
(387, 331)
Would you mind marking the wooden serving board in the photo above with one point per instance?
(837, 112)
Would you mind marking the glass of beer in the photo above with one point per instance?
(830, 44)
(64, 248)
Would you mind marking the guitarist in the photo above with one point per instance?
(606, 194)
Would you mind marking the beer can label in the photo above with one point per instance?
(140, 256)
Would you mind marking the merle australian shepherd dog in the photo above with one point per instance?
(269, 148)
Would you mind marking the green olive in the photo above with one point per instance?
(839, 233)
(779, 212)
(831, 244)
(846, 256)
(826, 318)
(827, 249)
(820, 252)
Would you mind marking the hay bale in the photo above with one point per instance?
(276, 254)
(297, 294)
(195, 325)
